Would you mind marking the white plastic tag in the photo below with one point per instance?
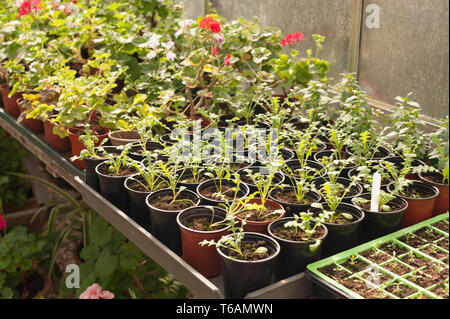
(375, 199)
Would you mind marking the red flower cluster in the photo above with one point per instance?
(292, 37)
(27, 6)
(214, 51)
(227, 59)
(210, 23)
(2, 222)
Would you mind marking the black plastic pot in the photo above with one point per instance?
(382, 152)
(90, 164)
(378, 224)
(241, 277)
(293, 208)
(344, 155)
(294, 165)
(354, 172)
(164, 222)
(243, 191)
(185, 174)
(341, 236)
(318, 182)
(278, 178)
(138, 207)
(168, 139)
(264, 159)
(294, 255)
(113, 189)
(149, 145)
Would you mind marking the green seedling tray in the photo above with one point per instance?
(375, 273)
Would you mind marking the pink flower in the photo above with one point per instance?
(214, 51)
(2, 222)
(94, 291)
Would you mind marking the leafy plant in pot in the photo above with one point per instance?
(260, 211)
(112, 174)
(165, 204)
(342, 220)
(222, 186)
(248, 259)
(34, 125)
(387, 219)
(300, 238)
(440, 178)
(197, 224)
(421, 197)
(148, 179)
(93, 154)
(298, 196)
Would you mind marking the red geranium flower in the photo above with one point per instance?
(227, 59)
(27, 6)
(292, 37)
(210, 23)
(215, 26)
(214, 51)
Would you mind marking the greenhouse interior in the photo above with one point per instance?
(224, 149)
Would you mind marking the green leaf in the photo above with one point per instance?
(106, 264)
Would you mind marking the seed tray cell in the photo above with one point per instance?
(356, 273)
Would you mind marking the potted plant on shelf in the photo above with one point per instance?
(440, 178)
(298, 196)
(342, 220)
(165, 204)
(421, 197)
(260, 211)
(94, 153)
(112, 174)
(386, 219)
(147, 180)
(222, 186)
(197, 224)
(300, 238)
(248, 259)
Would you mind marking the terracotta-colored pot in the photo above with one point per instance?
(261, 226)
(419, 209)
(442, 201)
(10, 103)
(204, 259)
(77, 145)
(123, 137)
(59, 144)
(34, 125)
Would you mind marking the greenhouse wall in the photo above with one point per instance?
(395, 46)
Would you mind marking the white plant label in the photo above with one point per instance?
(375, 199)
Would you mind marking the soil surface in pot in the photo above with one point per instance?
(434, 178)
(400, 290)
(393, 207)
(193, 180)
(290, 233)
(341, 220)
(393, 249)
(414, 193)
(259, 215)
(202, 224)
(412, 241)
(32, 284)
(290, 197)
(227, 193)
(427, 233)
(248, 251)
(123, 171)
(140, 187)
(164, 202)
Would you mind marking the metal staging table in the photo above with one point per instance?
(58, 164)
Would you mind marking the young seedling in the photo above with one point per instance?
(89, 140)
(384, 199)
(116, 162)
(308, 225)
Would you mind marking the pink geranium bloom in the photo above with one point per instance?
(94, 291)
(2, 222)
(27, 6)
(292, 37)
